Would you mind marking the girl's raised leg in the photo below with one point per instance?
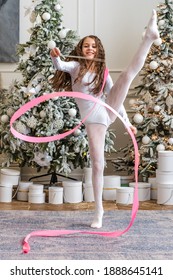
(121, 87)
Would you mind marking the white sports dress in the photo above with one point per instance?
(99, 114)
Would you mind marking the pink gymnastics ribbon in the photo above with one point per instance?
(36, 101)
(43, 98)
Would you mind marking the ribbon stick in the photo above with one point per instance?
(82, 57)
(35, 102)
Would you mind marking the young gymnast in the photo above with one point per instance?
(86, 76)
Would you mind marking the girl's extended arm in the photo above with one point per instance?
(65, 66)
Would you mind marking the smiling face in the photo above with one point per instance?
(89, 48)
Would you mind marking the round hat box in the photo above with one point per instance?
(111, 183)
(124, 195)
(9, 176)
(23, 189)
(165, 194)
(165, 161)
(55, 195)
(87, 175)
(36, 197)
(36, 188)
(144, 190)
(72, 191)
(163, 177)
(88, 192)
(152, 181)
(125, 180)
(6, 193)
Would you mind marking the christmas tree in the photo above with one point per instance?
(153, 102)
(50, 117)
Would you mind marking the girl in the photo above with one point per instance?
(86, 76)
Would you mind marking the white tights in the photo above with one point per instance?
(96, 132)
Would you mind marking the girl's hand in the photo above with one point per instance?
(55, 52)
(133, 129)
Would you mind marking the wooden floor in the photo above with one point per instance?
(83, 206)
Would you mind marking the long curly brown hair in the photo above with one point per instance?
(62, 80)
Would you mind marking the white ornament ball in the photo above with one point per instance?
(10, 112)
(138, 118)
(51, 44)
(46, 16)
(160, 147)
(161, 22)
(4, 118)
(153, 65)
(32, 91)
(72, 112)
(77, 150)
(38, 88)
(132, 102)
(170, 141)
(156, 108)
(146, 140)
(158, 42)
(77, 132)
(57, 7)
(62, 33)
(55, 98)
(42, 114)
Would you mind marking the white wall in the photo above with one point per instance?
(118, 23)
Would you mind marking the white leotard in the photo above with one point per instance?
(99, 114)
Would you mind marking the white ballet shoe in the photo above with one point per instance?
(152, 31)
(97, 222)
